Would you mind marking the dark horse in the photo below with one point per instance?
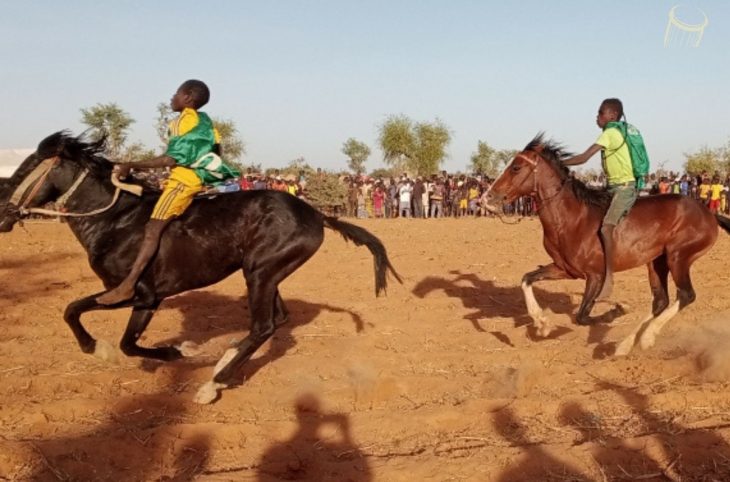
(667, 233)
(266, 234)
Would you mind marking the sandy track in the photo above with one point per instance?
(440, 380)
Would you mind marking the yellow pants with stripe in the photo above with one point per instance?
(180, 189)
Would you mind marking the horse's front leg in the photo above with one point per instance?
(548, 272)
(141, 317)
(72, 317)
(594, 284)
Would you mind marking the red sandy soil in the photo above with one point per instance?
(443, 379)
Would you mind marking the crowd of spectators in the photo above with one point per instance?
(459, 195)
(437, 196)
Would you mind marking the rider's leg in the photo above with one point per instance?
(180, 189)
(607, 240)
(150, 243)
(623, 199)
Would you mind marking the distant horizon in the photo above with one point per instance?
(299, 79)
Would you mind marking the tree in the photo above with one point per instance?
(357, 152)
(397, 141)
(431, 141)
(232, 145)
(162, 126)
(382, 173)
(485, 160)
(505, 156)
(296, 167)
(111, 121)
(705, 159)
(420, 147)
(325, 191)
(137, 152)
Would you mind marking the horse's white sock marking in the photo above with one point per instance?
(625, 347)
(225, 359)
(208, 392)
(648, 338)
(535, 311)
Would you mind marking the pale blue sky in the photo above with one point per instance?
(300, 77)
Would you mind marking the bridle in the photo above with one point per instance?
(534, 192)
(39, 176)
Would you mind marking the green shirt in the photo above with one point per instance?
(616, 157)
(194, 150)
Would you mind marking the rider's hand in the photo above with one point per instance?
(122, 170)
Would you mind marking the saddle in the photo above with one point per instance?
(146, 183)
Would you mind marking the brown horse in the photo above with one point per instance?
(667, 233)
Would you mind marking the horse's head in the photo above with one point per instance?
(528, 172)
(48, 173)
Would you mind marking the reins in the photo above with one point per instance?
(39, 176)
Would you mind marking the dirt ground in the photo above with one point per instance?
(443, 379)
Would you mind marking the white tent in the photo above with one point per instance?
(10, 159)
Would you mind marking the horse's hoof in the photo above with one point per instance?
(544, 330)
(208, 393)
(106, 351)
(647, 340)
(188, 349)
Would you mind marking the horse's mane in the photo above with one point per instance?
(87, 153)
(555, 153)
(80, 149)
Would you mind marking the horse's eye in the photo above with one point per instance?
(516, 167)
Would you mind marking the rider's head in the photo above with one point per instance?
(610, 110)
(192, 94)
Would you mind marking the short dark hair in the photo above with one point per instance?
(615, 105)
(198, 90)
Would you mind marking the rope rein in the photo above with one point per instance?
(39, 176)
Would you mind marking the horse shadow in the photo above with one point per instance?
(309, 454)
(208, 315)
(689, 454)
(134, 441)
(142, 437)
(487, 300)
(534, 463)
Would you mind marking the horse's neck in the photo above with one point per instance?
(93, 232)
(561, 213)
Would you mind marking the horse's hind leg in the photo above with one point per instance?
(261, 303)
(552, 272)
(658, 279)
(679, 265)
(265, 305)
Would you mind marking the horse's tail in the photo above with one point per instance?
(361, 236)
(723, 222)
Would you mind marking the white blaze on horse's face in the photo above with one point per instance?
(519, 178)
